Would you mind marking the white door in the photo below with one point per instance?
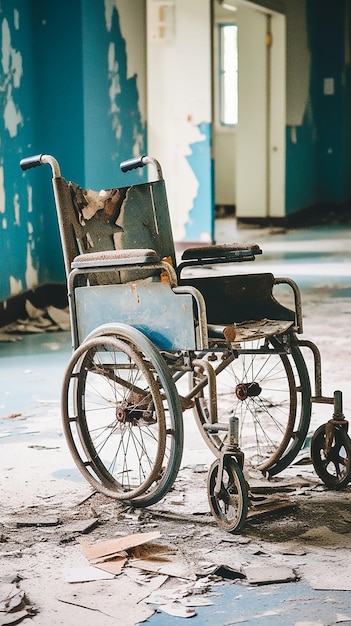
(179, 111)
(260, 135)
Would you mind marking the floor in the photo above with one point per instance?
(31, 372)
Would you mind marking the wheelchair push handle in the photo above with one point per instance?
(133, 164)
(29, 162)
(41, 159)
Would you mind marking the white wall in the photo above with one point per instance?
(178, 104)
(132, 16)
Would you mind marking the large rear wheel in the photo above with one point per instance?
(122, 419)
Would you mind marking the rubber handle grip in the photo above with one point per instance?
(132, 164)
(32, 161)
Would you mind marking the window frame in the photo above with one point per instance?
(222, 73)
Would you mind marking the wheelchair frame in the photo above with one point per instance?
(139, 328)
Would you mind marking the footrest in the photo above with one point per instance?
(215, 428)
(251, 330)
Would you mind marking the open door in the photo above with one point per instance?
(260, 135)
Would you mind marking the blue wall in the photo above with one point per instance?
(21, 231)
(63, 103)
(318, 162)
(65, 90)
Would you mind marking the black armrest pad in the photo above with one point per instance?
(230, 251)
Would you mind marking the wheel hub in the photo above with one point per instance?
(247, 390)
(127, 413)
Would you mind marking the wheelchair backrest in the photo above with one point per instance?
(133, 217)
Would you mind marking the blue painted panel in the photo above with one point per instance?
(153, 308)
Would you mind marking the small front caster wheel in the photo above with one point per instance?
(331, 456)
(229, 506)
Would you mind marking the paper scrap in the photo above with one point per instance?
(85, 574)
(110, 547)
(178, 610)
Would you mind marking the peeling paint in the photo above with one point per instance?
(11, 61)
(16, 19)
(135, 48)
(16, 286)
(30, 198)
(16, 207)
(31, 275)
(109, 8)
(126, 119)
(12, 116)
(31, 272)
(5, 47)
(115, 86)
(2, 191)
(199, 160)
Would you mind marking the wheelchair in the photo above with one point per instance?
(153, 338)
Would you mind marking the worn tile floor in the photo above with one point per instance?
(31, 372)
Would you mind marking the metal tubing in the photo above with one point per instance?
(47, 158)
(212, 387)
(297, 300)
(201, 310)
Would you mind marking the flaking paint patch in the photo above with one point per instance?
(11, 61)
(110, 5)
(200, 213)
(134, 50)
(2, 191)
(16, 19)
(115, 86)
(16, 208)
(114, 89)
(126, 119)
(15, 286)
(30, 198)
(31, 275)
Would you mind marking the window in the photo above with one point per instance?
(228, 74)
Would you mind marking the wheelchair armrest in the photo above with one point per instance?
(225, 253)
(133, 263)
(115, 258)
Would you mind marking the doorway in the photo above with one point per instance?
(249, 155)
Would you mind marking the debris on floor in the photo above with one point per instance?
(140, 551)
(14, 605)
(45, 320)
(269, 575)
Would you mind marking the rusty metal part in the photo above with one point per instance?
(247, 390)
(128, 413)
(229, 333)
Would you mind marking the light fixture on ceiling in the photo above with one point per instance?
(227, 6)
